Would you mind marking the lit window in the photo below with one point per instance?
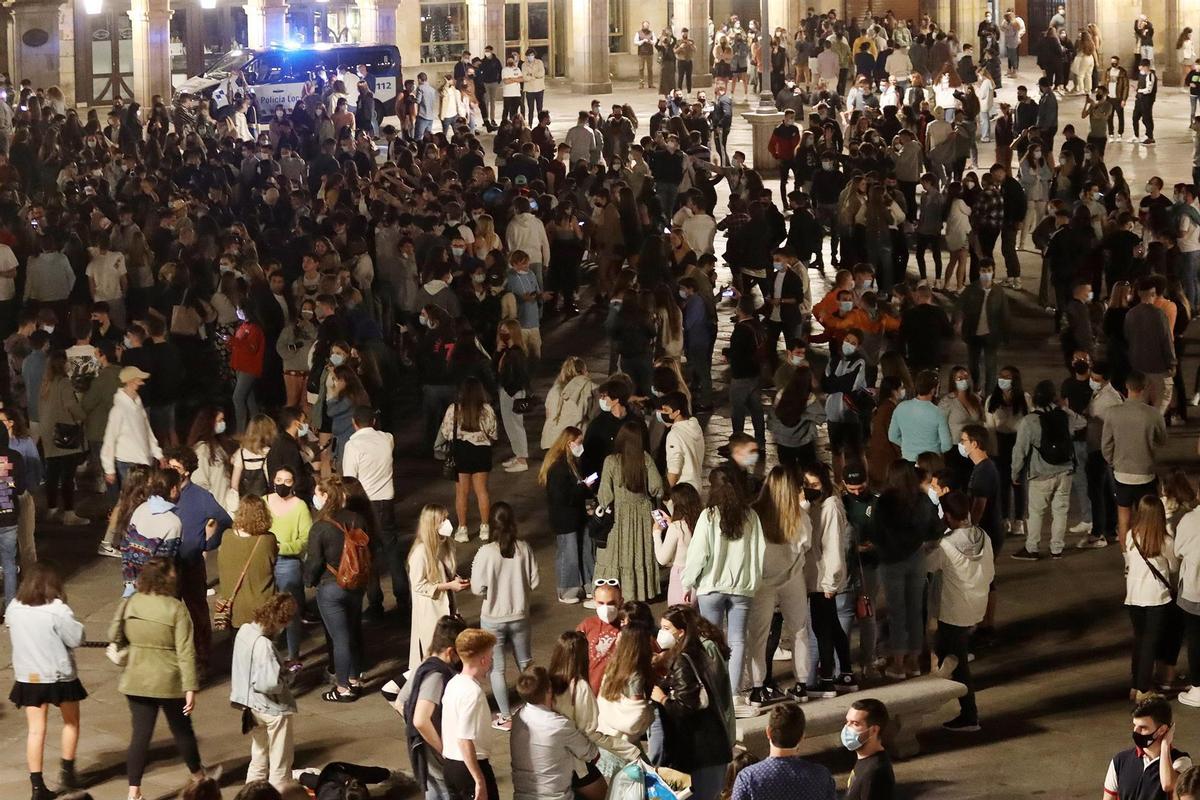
(443, 31)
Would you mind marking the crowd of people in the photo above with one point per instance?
(220, 324)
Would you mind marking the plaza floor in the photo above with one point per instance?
(1052, 691)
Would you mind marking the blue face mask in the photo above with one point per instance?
(1004, 383)
(848, 349)
(851, 739)
(845, 306)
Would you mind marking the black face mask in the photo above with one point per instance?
(1143, 740)
(1080, 367)
(812, 495)
(283, 490)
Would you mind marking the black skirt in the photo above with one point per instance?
(40, 694)
(471, 458)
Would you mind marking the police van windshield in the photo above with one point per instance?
(231, 61)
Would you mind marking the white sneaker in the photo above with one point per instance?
(782, 654)
(51, 514)
(485, 532)
(107, 550)
(517, 466)
(1091, 543)
(70, 518)
(1134, 140)
(1196, 399)
(1081, 527)
(508, 462)
(568, 600)
(1191, 697)
(743, 710)
(461, 535)
(1016, 284)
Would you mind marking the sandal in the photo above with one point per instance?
(334, 696)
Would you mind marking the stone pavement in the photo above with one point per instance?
(1052, 691)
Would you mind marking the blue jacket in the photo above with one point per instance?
(195, 508)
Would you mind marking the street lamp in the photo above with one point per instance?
(93, 7)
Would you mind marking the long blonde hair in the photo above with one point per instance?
(572, 367)
(435, 545)
(560, 449)
(1149, 529)
(778, 508)
(513, 329)
(259, 434)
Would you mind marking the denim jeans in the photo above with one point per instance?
(699, 371)
(574, 562)
(341, 611)
(1189, 265)
(514, 635)
(245, 404)
(1051, 494)
(421, 128)
(289, 579)
(8, 561)
(715, 607)
(845, 602)
(707, 782)
(904, 587)
(744, 397)
(113, 491)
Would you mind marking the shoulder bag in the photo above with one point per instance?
(185, 320)
(223, 613)
(704, 699)
(600, 524)
(449, 466)
(1153, 569)
(863, 607)
(118, 649)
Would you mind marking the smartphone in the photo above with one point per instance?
(660, 518)
(533, 205)
(241, 315)
(590, 480)
(728, 293)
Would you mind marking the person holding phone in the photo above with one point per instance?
(566, 492)
(432, 575)
(246, 351)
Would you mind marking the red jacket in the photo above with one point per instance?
(246, 349)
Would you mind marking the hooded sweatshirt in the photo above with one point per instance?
(685, 451)
(964, 557)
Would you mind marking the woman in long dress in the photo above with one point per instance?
(629, 481)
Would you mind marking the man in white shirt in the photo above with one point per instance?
(699, 229)
(511, 78)
(128, 438)
(545, 745)
(368, 458)
(466, 720)
(108, 278)
(685, 441)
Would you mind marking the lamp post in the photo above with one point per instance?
(765, 117)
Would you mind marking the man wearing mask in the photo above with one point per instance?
(643, 40)
(420, 702)
(489, 70)
(286, 452)
(1143, 103)
(427, 107)
(721, 118)
(1104, 397)
(685, 51)
(533, 72)
(1152, 766)
(511, 78)
(746, 351)
(872, 777)
(685, 441)
(602, 629)
(984, 323)
(1047, 113)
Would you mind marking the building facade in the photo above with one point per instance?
(98, 50)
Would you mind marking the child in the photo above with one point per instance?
(671, 544)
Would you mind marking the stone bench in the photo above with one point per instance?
(908, 703)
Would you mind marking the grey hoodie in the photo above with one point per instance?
(964, 557)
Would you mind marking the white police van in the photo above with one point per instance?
(277, 74)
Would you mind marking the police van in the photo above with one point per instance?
(277, 75)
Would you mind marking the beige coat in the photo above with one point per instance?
(429, 603)
(59, 406)
(572, 404)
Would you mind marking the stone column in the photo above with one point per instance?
(587, 32)
(35, 45)
(66, 47)
(486, 26)
(151, 49)
(1180, 14)
(693, 15)
(762, 123)
(408, 36)
(266, 22)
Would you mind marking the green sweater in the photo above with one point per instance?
(291, 529)
(717, 564)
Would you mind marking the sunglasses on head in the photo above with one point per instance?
(607, 582)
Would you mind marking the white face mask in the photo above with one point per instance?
(666, 639)
(219, 427)
(605, 404)
(606, 613)
(576, 449)
(1095, 384)
(48, 328)
(445, 529)
(795, 360)
(318, 501)
(337, 359)
(903, 393)
(749, 460)
(1004, 383)
(962, 450)
(933, 495)
(962, 385)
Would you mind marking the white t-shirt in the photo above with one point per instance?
(465, 715)
(1113, 74)
(511, 89)
(106, 269)
(8, 261)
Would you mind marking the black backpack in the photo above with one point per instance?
(1056, 446)
(254, 476)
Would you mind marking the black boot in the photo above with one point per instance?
(66, 776)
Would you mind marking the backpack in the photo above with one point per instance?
(253, 480)
(355, 567)
(1055, 446)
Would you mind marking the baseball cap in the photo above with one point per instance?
(132, 373)
(855, 475)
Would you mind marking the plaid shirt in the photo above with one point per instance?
(989, 209)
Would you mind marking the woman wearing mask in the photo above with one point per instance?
(961, 407)
(1006, 406)
(61, 418)
(512, 374)
(574, 699)
(261, 686)
(341, 609)
(903, 520)
(504, 573)
(431, 574)
(207, 439)
(44, 634)
(1151, 569)
(794, 420)
(826, 577)
(571, 401)
(344, 392)
(623, 705)
(566, 493)
(958, 235)
(468, 430)
(250, 461)
(632, 333)
(724, 565)
(294, 346)
(154, 529)
(787, 533)
(671, 541)
(880, 449)
(628, 482)
(320, 378)
(696, 740)
(246, 351)
(160, 673)
(1035, 174)
(290, 524)
(246, 560)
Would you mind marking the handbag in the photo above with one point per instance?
(449, 466)
(185, 320)
(523, 405)
(1153, 569)
(68, 435)
(863, 607)
(117, 650)
(223, 613)
(600, 524)
(704, 700)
